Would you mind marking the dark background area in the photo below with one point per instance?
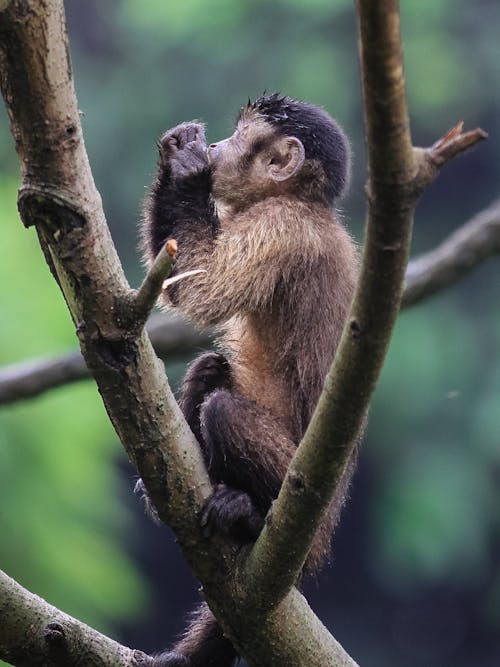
(415, 579)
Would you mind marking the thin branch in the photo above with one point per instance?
(398, 173)
(28, 379)
(462, 251)
(38, 633)
(430, 160)
(148, 293)
(456, 142)
(171, 337)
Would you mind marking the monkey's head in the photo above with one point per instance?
(280, 146)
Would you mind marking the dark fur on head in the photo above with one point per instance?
(323, 139)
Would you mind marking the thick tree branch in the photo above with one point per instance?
(59, 198)
(398, 173)
(34, 632)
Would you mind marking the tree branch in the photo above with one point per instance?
(148, 293)
(171, 337)
(461, 252)
(34, 632)
(398, 174)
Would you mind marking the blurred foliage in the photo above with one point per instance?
(437, 508)
(429, 516)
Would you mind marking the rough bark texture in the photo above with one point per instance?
(38, 634)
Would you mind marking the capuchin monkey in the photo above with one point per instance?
(257, 213)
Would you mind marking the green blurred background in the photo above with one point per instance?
(416, 573)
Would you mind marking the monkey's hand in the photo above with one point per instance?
(231, 512)
(183, 150)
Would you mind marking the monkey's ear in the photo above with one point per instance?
(287, 159)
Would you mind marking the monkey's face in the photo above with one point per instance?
(254, 163)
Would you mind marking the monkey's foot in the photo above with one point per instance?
(208, 372)
(231, 512)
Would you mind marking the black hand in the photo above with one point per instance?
(183, 150)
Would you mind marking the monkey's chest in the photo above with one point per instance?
(255, 370)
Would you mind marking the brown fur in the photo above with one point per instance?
(280, 275)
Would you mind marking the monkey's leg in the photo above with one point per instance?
(208, 372)
(203, 645)
(247, 452)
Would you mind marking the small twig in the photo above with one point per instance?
(148, 293)
(181, 276)
(455, 142)
(430, 160)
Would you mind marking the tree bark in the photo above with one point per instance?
(39, 634)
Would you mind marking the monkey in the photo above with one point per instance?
(257, 212)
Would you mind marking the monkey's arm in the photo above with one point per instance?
(179, 204)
